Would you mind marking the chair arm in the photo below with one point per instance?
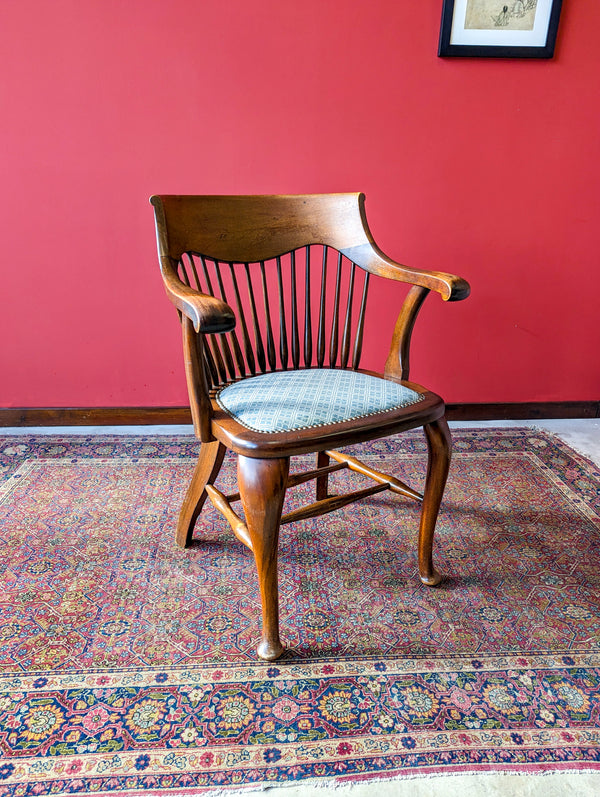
(371, 258)
(207, 313)
(451, 287)
(398, 361)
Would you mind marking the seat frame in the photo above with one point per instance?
(254, 229)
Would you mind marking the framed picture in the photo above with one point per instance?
(499, 28)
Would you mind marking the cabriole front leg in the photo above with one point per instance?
(439, 444)
(262, 485)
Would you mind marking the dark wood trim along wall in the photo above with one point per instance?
(134, 416)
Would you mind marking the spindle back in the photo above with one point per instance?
(287, 267)
(302, 309)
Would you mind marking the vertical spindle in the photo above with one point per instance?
(210, 370)
(214, 346)
(321, 331)
(224, 338)
(294, 319)
(360, 325)
(242, 319)
(193, 265)
(183, 275)
(283, 347)
(260, 352)
(270, 340)
(307, 313)
(333, 349)
(345, 354)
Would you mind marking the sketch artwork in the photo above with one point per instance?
(494, 14)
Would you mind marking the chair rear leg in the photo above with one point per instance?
(439, 443)
(262, 485)
(322, 482)
(206, 471)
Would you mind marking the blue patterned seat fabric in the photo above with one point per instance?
(285, 401)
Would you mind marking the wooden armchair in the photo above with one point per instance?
(272, 295)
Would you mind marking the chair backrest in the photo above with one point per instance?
(295, 269)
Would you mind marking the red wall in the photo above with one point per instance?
(486, 168)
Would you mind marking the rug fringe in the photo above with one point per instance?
(584, 782)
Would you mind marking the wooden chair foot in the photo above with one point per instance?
(206, 471)
(433, 579)
(268, 651)
(439, 444)
(262, 484)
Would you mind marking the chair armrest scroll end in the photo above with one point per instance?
(208, 314)
(458, 289)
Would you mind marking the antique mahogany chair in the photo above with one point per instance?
(272, 296)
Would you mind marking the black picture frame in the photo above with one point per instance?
(539, 42)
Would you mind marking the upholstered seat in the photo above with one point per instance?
(286, 401)
(273, 296)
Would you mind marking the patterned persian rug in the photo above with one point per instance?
(128, 665)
